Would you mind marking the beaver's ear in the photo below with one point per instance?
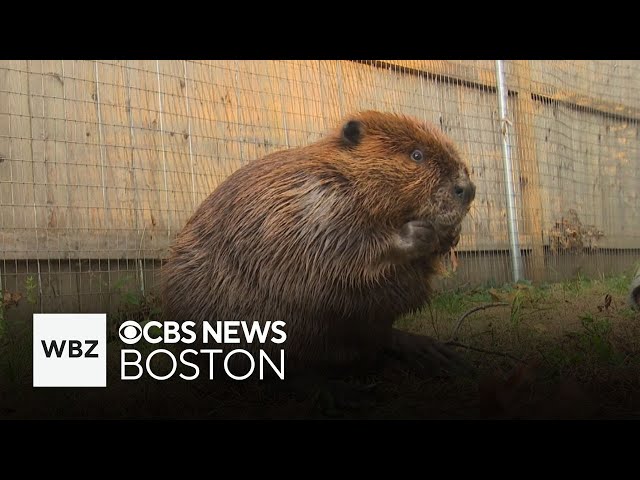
(352, 133)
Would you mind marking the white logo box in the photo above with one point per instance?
(77, 347)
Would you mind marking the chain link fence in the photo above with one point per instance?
(102, 162)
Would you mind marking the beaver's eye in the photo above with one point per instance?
(417, 155)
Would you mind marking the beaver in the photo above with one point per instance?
(338, 239)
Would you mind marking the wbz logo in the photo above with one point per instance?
(69, 350)
(75, 348)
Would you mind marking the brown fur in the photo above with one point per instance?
(307, 236)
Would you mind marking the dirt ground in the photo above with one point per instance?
(569, 350)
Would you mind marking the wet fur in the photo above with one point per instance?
(306, 236)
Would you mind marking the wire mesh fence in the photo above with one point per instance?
(102, 162)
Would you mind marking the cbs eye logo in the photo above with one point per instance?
(130, 332)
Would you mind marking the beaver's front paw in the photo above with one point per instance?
(416, 238)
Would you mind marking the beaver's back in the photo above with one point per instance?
(280, 240)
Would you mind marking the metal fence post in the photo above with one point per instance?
(514, 241)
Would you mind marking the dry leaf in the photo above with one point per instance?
(11, 299)
(454, 259)
(494, 294)
(607, 303)
(540, 328)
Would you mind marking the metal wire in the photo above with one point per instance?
(103, 162)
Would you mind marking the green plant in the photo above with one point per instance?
(450, 303)
(558, 358)
(540, 294)
(596, 338)
(127, 295)
(617, 283)
(516, 308)
(31, 287)
(577, 285)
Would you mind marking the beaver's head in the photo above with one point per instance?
(409, 169)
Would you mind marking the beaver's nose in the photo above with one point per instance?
(465, 190)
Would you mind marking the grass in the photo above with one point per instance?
(580, 335)
(567, 350)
